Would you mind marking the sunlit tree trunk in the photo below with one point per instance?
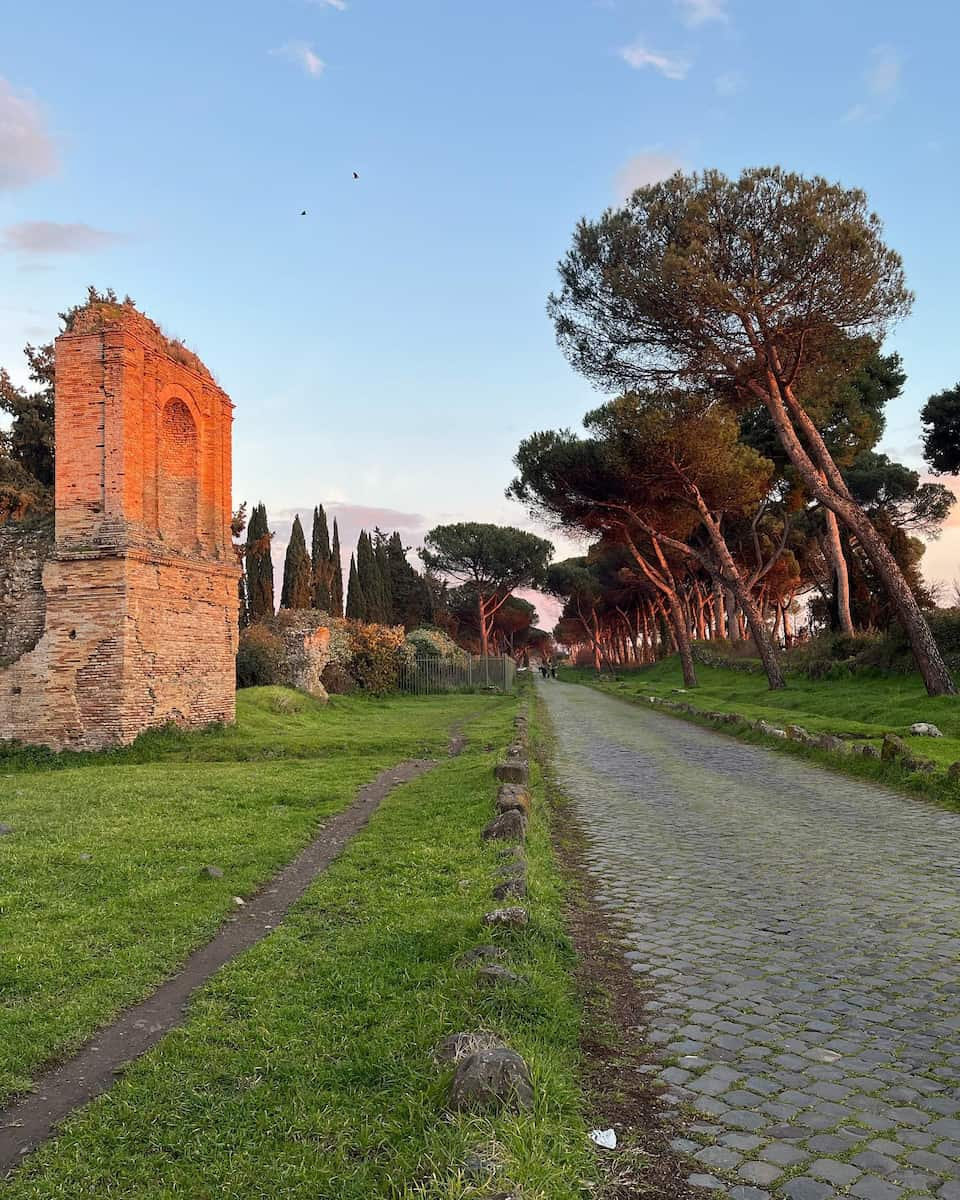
(822, 478)
(841, 574)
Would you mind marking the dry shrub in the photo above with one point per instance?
(259, 657)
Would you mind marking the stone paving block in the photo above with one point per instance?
(830, 1143)
(744, 1119)
(741, 1192)
(928, 1161)
(709, 1182)
(709, 1106)
(912, 1180)
(949, 1191)
(819, 1121)
(909, 1116)
(783, 1154)
(804, 1188)
(675, 1075)
(762, 1173)
(720, 1157)
(840, 1174)
(684, 1146)
(738, 1098)
(876, 1164)
(885, 1146)
(746, 1142)
(830, 1091)
(871, 1187)
(787, 1133)
(757, 1083)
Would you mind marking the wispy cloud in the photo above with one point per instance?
(729, 83)
(339, 5)
(27, 151)
(638, 56)
(699, 12)
(644, 169)
(883, 74)
(52, 237)
(881, 81)
(303, 54)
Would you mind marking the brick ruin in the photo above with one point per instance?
(125, 617)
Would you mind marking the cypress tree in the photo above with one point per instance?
(259, 565)
(322, 562)
(367, 577)
(409, 593)
(296, 571)
(387, 615)
(336, 579)
(356, 605)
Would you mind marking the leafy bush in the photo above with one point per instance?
(891, 652)
(832, 655)
(337, 680)
(375, 657)
(259, 657)
(428, 642)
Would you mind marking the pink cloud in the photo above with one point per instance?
(27, 151)
(53, 237)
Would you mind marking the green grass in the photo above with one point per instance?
(272, 722)
(305, 1069)
(101, 892)
(863, 705)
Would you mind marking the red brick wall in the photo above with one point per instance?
(141, 594)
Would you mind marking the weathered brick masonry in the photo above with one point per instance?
(139, 598)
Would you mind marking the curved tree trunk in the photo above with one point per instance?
(841, 574)
(926, 653)
(733, 581)
(730, 610)
(678, 624)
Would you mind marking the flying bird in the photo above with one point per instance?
(355, 175)
(304, 213)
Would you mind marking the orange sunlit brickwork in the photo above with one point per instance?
(141, 589)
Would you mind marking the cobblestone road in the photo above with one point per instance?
(801, 932)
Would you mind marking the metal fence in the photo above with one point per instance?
(475, 673)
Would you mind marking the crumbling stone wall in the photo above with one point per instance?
(139, 597)
(24, 548)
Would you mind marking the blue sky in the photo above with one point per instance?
(387, 351)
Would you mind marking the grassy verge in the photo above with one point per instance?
(863, 707)
(305, 1069)
(101, 891)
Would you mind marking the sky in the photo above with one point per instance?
(388, 351)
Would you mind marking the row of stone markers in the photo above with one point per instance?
(893, 748)
(489, 1075)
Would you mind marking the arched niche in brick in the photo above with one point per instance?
(178, 484)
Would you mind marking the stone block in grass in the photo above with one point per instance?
(509, 827)
(492, 1079)
(513, 796)
(514, 917)
(513, 771)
